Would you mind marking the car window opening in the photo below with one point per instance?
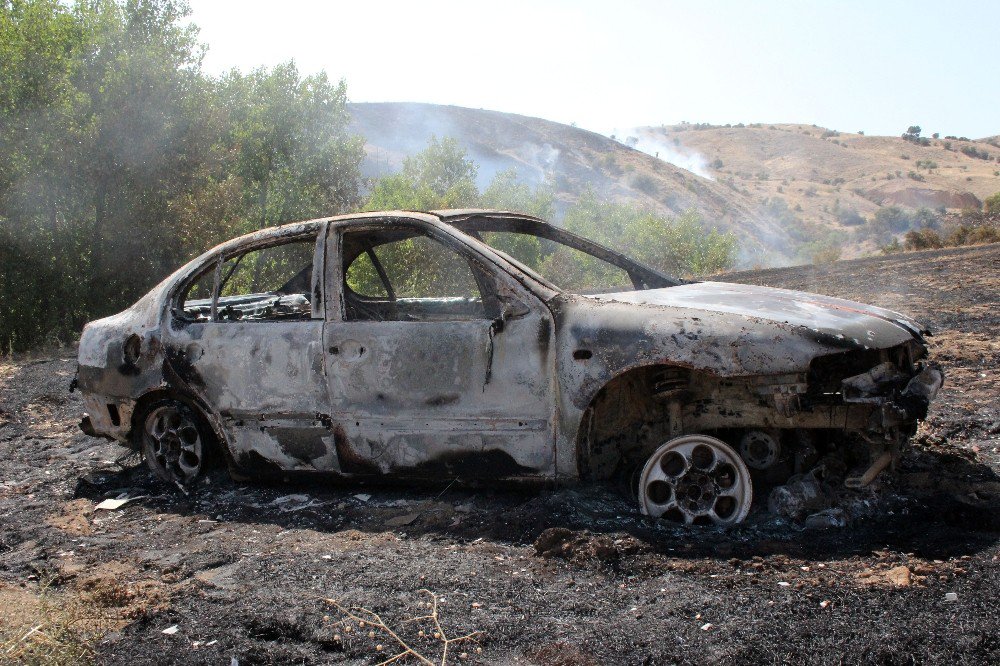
(266, 284)
(405, 275)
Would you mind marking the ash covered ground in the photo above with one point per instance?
(243, 571)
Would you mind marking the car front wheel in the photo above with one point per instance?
(696, 479)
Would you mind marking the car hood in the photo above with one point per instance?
(864, 325)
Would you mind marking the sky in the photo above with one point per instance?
(875, 65)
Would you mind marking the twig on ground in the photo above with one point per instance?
(365, 616)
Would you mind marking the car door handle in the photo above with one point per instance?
(349, 350)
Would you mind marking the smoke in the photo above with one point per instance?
(651, 142)
(395, 131)
(541, 158)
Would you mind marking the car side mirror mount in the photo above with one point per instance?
(512, 308)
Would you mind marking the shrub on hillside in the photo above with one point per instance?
(925, 239)
(609, 164)
(912, 134)
(969, 235)
(972, 151)
(892, 218)
(826, 253)
(992, 204)
(892, 247)
(925, 218)
(850, 217)
(644, 183)
(682, 246)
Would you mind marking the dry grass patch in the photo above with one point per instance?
(42, 626)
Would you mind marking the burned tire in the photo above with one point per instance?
(696, 479)
(175, 442)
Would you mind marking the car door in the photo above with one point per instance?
(256, 356)
(438, 364)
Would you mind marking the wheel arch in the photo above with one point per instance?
(630, 413)
(220, 441)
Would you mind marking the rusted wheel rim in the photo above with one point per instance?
(696, 479)
(174, 443)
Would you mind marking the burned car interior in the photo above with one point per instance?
(264, 284)
(493, 346)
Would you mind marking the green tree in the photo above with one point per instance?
(295, 154)
(95, 129)
(892, 218)
(440, 176)
(681, 246)
(443, 167)
(120, 159)
(506, 192)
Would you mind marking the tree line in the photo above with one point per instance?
(120, 158)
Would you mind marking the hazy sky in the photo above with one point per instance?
(874, 65)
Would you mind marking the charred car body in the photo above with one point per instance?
(415, 345)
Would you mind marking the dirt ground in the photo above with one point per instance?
(244, 572)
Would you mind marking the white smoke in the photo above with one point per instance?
(644, 139)
(542, 158)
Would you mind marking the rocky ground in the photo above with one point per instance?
(266, 574)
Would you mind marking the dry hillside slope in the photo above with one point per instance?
(823, 171)
(541, 150)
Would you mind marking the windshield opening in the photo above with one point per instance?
(569, 262)
(571, 269)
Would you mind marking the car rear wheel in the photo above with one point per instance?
(696, 479)
(174, 442)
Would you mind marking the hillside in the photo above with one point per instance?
(734, 176)
(823, 171)
(568, 157)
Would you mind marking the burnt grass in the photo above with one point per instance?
(243, 570)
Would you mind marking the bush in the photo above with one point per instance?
(609, 164)
(892, 247)
(924, 239)
(992, 204)
(850, 217)
(971, 151)
(644, 183)
(826, 253)
(968, 235)
(892, 218)
(682, 246)
(925, 218)
(912, 134)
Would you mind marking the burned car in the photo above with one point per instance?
(493, 346)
